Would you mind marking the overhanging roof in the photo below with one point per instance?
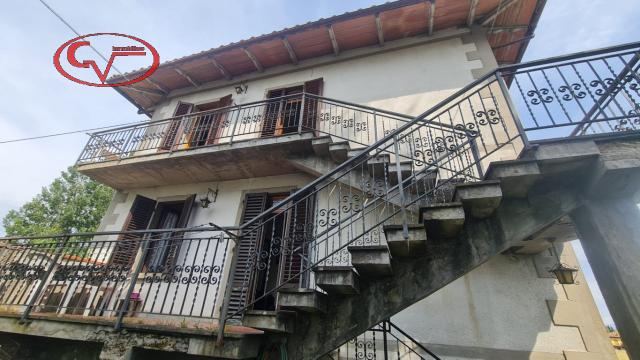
(510, 24)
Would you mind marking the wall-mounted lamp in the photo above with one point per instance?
(210, 197)
(241, 88)
(565, 274)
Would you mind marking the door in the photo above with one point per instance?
(206, 129)
(173, 130)
(272, 253)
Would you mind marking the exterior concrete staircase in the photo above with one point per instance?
(516, 200)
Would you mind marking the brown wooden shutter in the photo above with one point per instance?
(299, 234)
(126, 248)
(176, 242)
(241, 279)
(217, 125)
(309, 119)
(171, 132)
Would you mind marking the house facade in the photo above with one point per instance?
(237, 135)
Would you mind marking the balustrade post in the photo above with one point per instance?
(375, 126)
(512, 109)
(301, 119)
(45, 280)
(405, 224)
(224, 308)
(235, 124)
(132, 284)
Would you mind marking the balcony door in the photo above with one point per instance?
(284, 109)
(187, 131)
(271, 254)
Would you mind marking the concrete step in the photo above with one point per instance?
(443, 220)
(480, 199)
(271, 321)
(378, 165)
(340, 280)
(405, 171)
(516, 176)
(372, 260)
(305, 300)
(415, 245)
(338, 151)
(321, 145)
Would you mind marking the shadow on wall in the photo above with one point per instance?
(26, 347)
(508, 309)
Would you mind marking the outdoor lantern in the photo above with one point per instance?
(241, 88)
(565, 274)
(210, 197)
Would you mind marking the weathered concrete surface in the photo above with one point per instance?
(338, 151)
(306, 300)
(371, 261)
(415, 245)
(272, 321)
(118, 345)
(24, 347)
(480, 199)
(516, 177)
(240, 160)
(443, 220)
(321, 145)
(337, 279)
(609, 230)
(414, 279)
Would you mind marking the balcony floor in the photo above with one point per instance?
(242, 159)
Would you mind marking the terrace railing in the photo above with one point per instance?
(384, 341)
(419, 162)
(292, 114)
(148, 275)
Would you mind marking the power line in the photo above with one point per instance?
(69, 132)
(77, 33)
(73, 131)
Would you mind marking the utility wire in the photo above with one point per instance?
(68, 132)
(73, 131)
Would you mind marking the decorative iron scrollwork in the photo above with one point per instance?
(539, 96)
(572, 91)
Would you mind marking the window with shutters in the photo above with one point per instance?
(127, 245)
(284, 112)
(173, 130)
(290, 229)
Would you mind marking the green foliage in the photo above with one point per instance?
(71, 203)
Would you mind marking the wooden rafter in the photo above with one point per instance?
(184, 75)
(502, 6)
(254, 60)
(509, 28)
(220, 68)
(432, 12)
(334, 42)
(292, 54)
(145, 91)
(472, 12)
(157, 86)
(379, 30)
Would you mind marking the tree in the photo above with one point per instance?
(71, 203)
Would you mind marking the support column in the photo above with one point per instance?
(609, 231)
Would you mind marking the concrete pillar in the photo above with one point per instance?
(609, 230)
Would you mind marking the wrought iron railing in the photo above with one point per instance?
(383, 341)
(292, 114)
(155, 274)
(419, 162)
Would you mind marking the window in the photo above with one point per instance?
(284, 113)
(163, 248)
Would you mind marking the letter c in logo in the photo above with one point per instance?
(71, 54)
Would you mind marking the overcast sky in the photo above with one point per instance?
(36, 100)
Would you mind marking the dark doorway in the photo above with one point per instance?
(271, 253)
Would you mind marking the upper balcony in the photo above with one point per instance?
(231, 142)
